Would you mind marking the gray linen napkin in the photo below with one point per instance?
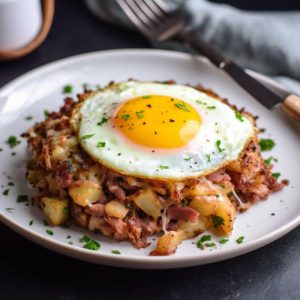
(267, 42)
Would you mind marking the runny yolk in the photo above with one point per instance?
(157, 121)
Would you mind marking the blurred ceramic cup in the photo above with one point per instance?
(24, 24)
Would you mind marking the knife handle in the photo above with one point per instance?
(291, 105)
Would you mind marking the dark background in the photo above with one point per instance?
(28, 271)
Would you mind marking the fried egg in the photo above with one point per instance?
(160, 131)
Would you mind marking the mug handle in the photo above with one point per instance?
(48, 12)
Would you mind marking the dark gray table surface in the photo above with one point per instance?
(28, 271)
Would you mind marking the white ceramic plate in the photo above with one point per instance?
(41, 89)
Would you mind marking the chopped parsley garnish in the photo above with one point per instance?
(12, 141)
(202, 240)
(269, 160)
(5, 193)
(222, 186)
(201, 102)
(28, 118)
(187, 158)
(217, 220)
(125, 117)
(240, 239)
(9, 209)
(182, 106)
(46, 113)
(146, 97)
(140, 114)
(104, 120)
(164, 167)
(11, 184)
(87, 136)
(218, 144)
(266, 144)
(30, 223)
(68, 237)
(101, 144)
(211, 107)
(67, 89)
(115, 252)
(276, 175)
(208, 157)
(70, 243)
(66, 210)
(85, 85)
(45, 222)
(223, 241)
(22, 198)
(210, 245)
(89, 243)
(239, 116)
(50, 232)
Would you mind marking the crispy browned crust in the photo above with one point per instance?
(249, 176)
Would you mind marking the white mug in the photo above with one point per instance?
(21, 24)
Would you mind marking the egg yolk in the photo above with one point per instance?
(157, 121)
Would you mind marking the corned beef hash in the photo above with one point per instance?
(139, 158)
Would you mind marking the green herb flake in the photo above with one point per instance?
(239, 116)
(182, 106)
(67, 89)
(276, 175)
(164, 167)
(217, 221)
(31, 223)
(115, 252)
(146, 97)
(187, 158)
(9, 209)
(201, 102)
(45, 222)
(66, 210)
(68, 237)
(104, 120)
(28, 118)
(211, 107)
(50, 232)
(218, 144)
(101, 144)
(85, 85)
(89, 243)
(87, 136)
(140, 114)
(70, 243)
(222, 186)
(240, 239)
(266, 144)
(223, 241)
(125, 117)
(5, 192)
(210, 245)
(11, 184)
(203, 239)
(46, 113)
(208, 157)
(269, 160)
(12, 141)
(22, 198)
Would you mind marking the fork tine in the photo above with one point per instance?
(152, 8)
(133, 16)
(161, 6)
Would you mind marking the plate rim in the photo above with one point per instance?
(133, 261)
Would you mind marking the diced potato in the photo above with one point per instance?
(234, 166)
(227, 212)
(59, 153)
(192, 229)
(205, 205)
(82, 219)
(85, 192)
(202, 190)
(147, 201)
(168, 243)
(116, 209)
(56, 210)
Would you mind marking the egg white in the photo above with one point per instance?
(199, 157)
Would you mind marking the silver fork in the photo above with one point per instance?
(155, 21)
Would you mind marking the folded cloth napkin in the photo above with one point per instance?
(267, 42)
